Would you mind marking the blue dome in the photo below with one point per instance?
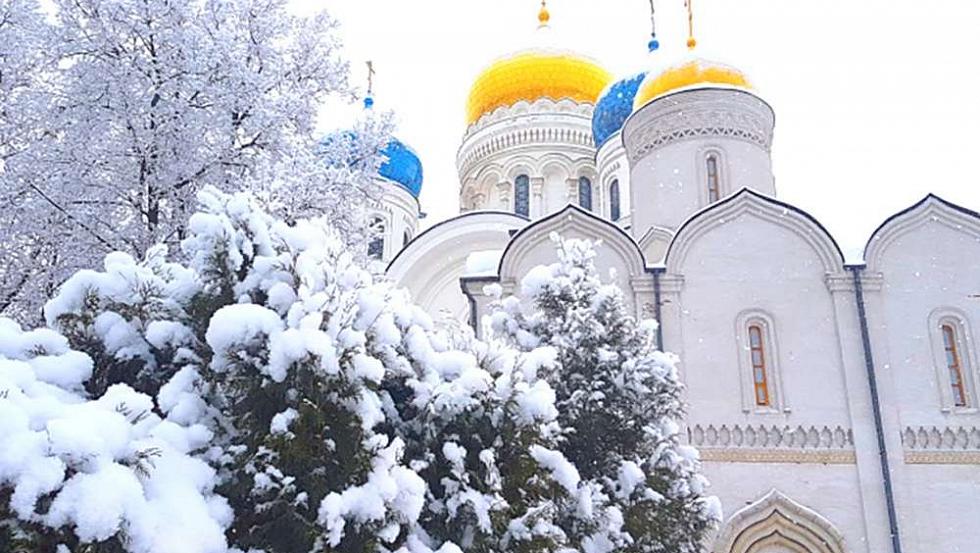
(402, 166)
(613, 107)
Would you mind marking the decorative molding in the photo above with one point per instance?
(546, 124)
(942, 457)
(695, 114)
(941, 446)
(541, 106)
(778, 456)
(773, 444)
(777, 521)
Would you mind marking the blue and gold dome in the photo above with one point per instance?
(403, 166)
(614, 106)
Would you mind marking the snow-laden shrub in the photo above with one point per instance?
(619, 406)
(108, 467)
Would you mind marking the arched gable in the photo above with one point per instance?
(777, 521)
(931, 209)
(765, 208)
(570, 221)
(432, 263)
(433, 239)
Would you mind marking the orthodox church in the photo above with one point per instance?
(836, 406)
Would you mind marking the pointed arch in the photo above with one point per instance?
(929, 209)
(775, 520)
(768, 209)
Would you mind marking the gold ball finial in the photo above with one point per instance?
(543, 15)
(691, 43)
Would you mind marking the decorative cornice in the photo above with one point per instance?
(772, 444)
(541, 106)
(942, 457)
(696, 114)
(941, 446)
(718, 455)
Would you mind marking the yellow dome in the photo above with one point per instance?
(690, 73)
(534, 74)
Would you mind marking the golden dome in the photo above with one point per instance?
(534, 74)
(691, 73)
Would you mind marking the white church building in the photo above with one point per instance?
(836, 406)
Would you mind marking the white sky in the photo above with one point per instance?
(877, 101)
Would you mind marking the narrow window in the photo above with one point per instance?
(585, 193)
(376, 246)
(954, 366)
(760, 379)
(522, 195)
(711, 163)
(614, 200)
(406, 238)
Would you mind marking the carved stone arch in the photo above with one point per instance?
(765, 208)
(777, 523)
(931, 209)
(555, 160)
(520, 165)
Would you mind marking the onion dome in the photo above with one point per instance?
(614, 106)
(402, 166)
(694, 73)
(532, 74)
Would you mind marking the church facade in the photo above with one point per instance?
(836, 406)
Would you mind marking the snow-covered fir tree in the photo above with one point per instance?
(618, 400)
(116, 112)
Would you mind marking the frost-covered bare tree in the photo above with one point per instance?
(145, 103)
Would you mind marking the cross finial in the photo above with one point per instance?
(370, 66)
(691, 43)
(654, 43)
(369, 98)
(543, 15)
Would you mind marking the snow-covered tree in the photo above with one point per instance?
(142, 105)
(619, 402)
(276, 340)
(481, 430)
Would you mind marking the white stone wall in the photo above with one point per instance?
(399, 213)
(924, 265)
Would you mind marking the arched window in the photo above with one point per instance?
(406, 238)
(954, 365)
(522, 195)
(585, 193)
(714, 181)
(953, 358)
(376, 247)
(614, 200)
(761, 386)
(760, 371)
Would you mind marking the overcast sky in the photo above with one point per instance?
(877, 102)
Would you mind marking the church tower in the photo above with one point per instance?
(528, 147)
(698, 133)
